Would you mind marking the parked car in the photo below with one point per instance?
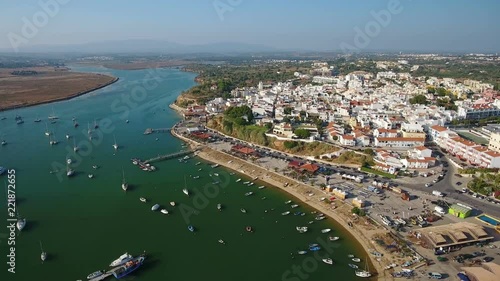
(459, 183)
(487, 259)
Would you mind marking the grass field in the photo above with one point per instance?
(472, 137)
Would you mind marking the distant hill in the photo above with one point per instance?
(147, 46)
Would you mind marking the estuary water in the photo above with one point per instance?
(84, 224)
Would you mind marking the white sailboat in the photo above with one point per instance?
(185, 189)
(75, 147)
(124, 183)
(364, 273)
(52, 141)
(53, 116)
(69, 171)
(115, 145)
(4, 142)
(47, 132)
(43, 255)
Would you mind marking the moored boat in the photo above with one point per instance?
(20, 224)
(143, 200)
(172, 204)
(363, 273)
(155, 207)
(243, 210)
(302, 252)
(219, 207)
(185, 191)
(285, 213)
(333, 238)
(121, 260)
(249, 229)
(191, 228)
(129, 267)
(238, 180)
(301, 229)
(95, 274)
(353, 266)
(261, 187)
(328, 261)
(356, 260)
(164, 211)
(288, 202)
(326, 230)
(294, 206)
(248, 193)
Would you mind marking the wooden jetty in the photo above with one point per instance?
(161, 130)
(102, 277)
(170, 156)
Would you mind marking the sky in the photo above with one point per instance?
(324, 25)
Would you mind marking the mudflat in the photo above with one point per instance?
(31, 86)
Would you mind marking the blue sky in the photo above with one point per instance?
(445, 25)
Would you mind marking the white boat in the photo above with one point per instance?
(43, 255)
(238, 180)
(219, 207)
(353, 266)
(115, 145)
(185, 191)
(248, 193)
(301, 229)
(328, 261)
(333, 238)
(243, 210)
(196, 177)
(155, 207)
(95, 274)
(124, 183)
(285, 213)
(198, 163)
(4, 142)
(164, 211)
(67, 136)
(261, 187)
(20, 224)
(69, 161)
(143, 200)
(326, 230)
(222, 241)
(91, 176)
(302, 252)
(294, 206)
(246, 182)
(350, 256)
(172, 204)
(121, 260)
(356, 260)
(288, 202)
(47, 132)
(69, 171)
(75, 147)
(215, 165)
(250, 184)
(363, 273)
(215, 174)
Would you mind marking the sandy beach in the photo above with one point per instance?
(340, 211)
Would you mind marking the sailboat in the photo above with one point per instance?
(124, 183)
(53, 116)
(115, 145)
(68, 136)
(96, 126)
(37, 120)
(52, 141)
(43, 255)
(75, 124)
(47, 132)
(75, 147)
(21, 222)
(185, 189)
(364, 273)
(69, 171)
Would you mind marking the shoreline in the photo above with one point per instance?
(295, 189)
(115, 79)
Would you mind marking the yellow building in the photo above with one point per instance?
(413, 135)
(494, 142)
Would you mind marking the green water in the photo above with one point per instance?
(85, 223)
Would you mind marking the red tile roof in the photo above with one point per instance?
(309, 167)
(439, 128)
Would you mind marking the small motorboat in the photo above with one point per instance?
(164, 211)
(326, 230)
(155, 207)
(318, 218)
(91, 176)
(200, 169)
(315, 248)
(294, 206)
(243, 210)
(172, 204)
(219, 207)
(313, 245)
(95, 167)
(95, 274)
(328, 261)
(69, 161)
(363, 274)
(231, 174)
(288, 202)
(143, 200)
(191, 228)
(353, 266)
(222, 241)
(261, 187)
(350, 256)
(246, 182)
(198, 163)
(285, 213)
(301, 229)
(238, 180)
(215, 174)
(302, 252)
(186, 191)
(196, 177)
(249, 229)
(250, 184)
(248, 193)
(356, 259)
(333, 238)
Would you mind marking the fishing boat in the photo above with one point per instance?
(155, 207)
(191, 228)
(124, 182)
(288, 202)
(222, 241)
(219, 207)
(326, 230)
(129, 267)
(143, 200)
(243, 210)
(285, 213)
(302, 252)
(328, 261)
(238, 180)
(249, 229)
(95, 274)
(294, 206)
(261, 187)
(302, 229)
(356, 260)
(172, 204)
(43, 255)
(333, 238)
(248, 193)
(164, 211)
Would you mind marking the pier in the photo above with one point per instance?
(161, 130)
(170, 156)
(102, 277)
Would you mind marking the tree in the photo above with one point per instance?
(287, 110)
(369, 151)
(239, 112)
(418, 99)
(289, 144)
(302, 133)
(335, 138)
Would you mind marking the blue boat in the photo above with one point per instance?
(2, 170)
(315, 248)
(191, 228)
(298, 213)
(129, 267)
